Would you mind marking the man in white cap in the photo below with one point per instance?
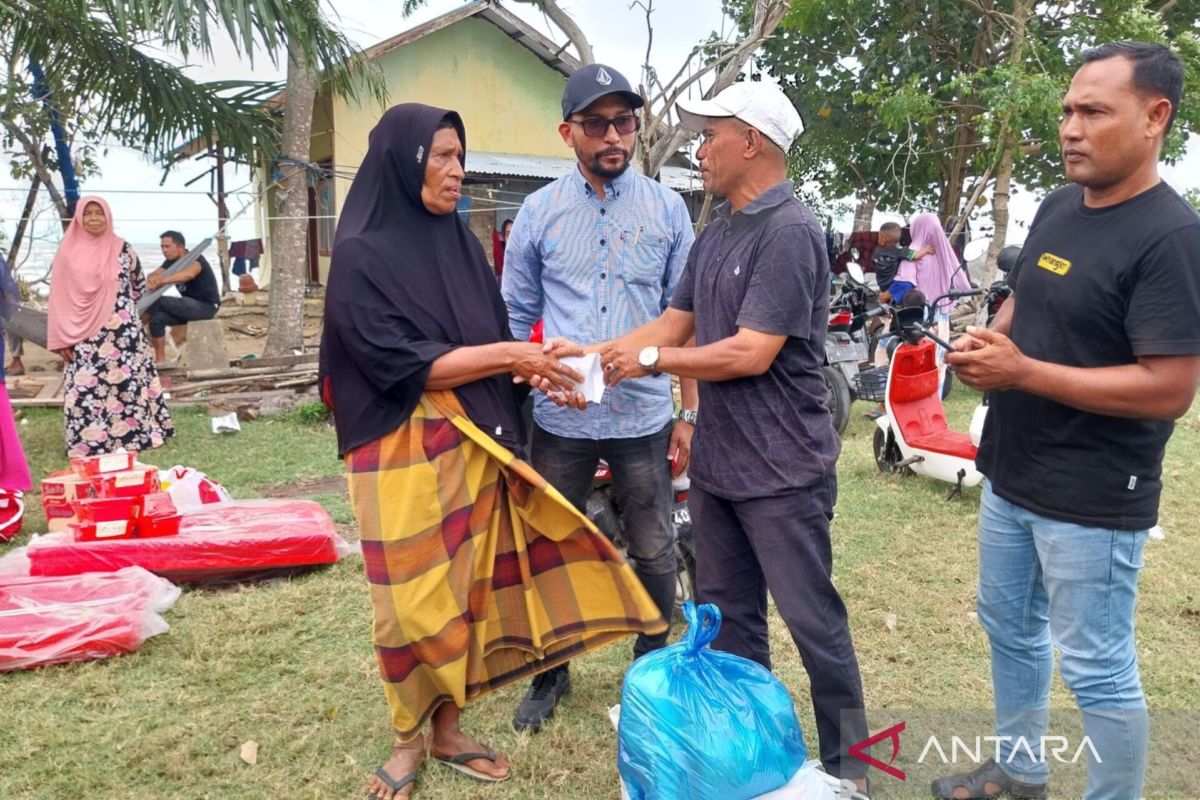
(755, 294)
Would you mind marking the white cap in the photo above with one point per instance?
(762, 106)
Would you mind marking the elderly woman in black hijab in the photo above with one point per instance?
(480, 573)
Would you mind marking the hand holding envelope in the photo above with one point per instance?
(588, 365)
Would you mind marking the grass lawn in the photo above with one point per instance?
(288, 664)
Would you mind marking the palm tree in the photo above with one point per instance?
(100, 69)
(98, 60)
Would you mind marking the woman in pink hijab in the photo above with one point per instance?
(113, 397)
(936, 273)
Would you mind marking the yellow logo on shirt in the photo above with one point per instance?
(1051, 262)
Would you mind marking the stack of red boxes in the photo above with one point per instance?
(109, 497)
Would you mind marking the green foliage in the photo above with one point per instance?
(105, 79)
(316, 413)
(905, 103)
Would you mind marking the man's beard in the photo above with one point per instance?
(597, 166)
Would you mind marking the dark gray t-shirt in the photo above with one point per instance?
(764, 268)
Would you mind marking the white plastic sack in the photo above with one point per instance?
(191, 489)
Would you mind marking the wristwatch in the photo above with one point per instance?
(689, 416)
(648, 359)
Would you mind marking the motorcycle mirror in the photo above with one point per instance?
(976, 248)
(855, 271)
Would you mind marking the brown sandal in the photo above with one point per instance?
(977, 781)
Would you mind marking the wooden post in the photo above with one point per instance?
(222, 221)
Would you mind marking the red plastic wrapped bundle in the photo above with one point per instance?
(79, 617)
(237, 540)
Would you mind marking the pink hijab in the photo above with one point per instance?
(937, 273)
(84, 279)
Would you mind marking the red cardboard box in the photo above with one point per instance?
(150, 527)
(91, 466)
(141, 480)
(59, 491)
(158, 504)
(65, 486)
(105, 518)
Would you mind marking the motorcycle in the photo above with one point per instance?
(1000, 291)
(913, 435)
(602, 509)
(847, 345)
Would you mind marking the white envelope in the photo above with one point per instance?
(593, 376)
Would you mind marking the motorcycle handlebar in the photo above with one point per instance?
(879, 311)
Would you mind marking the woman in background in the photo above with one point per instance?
(113, 398)
(14, 469)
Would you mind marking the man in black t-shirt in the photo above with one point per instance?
(199, 295)
(1090, 361)
(755, 294)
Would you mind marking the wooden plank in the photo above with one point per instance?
(52, 389)
(29, 324)
(37, 402)
(278, 361)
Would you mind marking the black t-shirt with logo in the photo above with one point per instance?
(1095, 287)
(203, 287)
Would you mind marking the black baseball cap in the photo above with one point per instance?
(592, 82)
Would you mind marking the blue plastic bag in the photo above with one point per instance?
(700, 724)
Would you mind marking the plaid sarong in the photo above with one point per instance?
(480, 572)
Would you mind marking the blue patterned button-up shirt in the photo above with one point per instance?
(595, 270)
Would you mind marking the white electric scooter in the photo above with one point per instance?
(913, 435)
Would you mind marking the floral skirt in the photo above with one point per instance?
(113, 396)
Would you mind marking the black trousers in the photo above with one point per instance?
(781, 544)
(166, 311)
(642, 482)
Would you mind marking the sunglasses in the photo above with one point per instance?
(597, 127)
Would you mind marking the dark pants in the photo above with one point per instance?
(642, 486)
(166, 311)
(781, 544)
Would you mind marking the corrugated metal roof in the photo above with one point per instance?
(480, 164)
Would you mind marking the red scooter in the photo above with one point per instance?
(913, 435)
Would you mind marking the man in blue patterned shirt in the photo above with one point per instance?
(596, 254)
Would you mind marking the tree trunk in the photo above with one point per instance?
(864, 214)
(23, 223)
(222, 222)
(289, 262)
(1022, 10)
(1000, 197)
(568, 26)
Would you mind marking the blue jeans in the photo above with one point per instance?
(1045, 584)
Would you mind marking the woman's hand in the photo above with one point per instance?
(67, 354)
(539, 365)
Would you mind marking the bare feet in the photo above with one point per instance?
(406, 759)
(447, 743)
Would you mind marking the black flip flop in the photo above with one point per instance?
(459, 764)
(392, 783)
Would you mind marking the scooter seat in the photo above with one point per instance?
(946, 442)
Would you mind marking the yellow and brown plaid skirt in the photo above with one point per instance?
(480, 572)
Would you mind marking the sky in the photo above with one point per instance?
(618, 34)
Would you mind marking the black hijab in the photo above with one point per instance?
(405, 287)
